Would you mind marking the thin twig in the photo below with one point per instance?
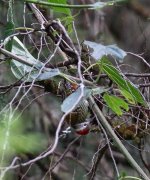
(144, 85)
(140, 57)
(129, 74)
(17, 58)
(63, 155)
(145, 164)
(99, 156)
(85, 167)
(81, 6)
(119, 144)
(39, 16)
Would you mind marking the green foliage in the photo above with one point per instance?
(131, 93)
(19, 69)
(97, 5)
(13, 133)
(17, 139)
(123, 176)
(59, 9)
(116, 104)
(9, 29)
(128, 96)
(67, 18)
(67, 21)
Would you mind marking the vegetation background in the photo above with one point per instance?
(30, 114)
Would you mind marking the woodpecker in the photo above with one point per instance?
(79, 119)
(82, 128)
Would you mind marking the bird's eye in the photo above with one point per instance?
(84, 124)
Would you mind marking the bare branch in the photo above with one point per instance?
(104, 122)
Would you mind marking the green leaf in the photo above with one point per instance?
(67, 21)
(66, 11)
(128, 96)
(59, 9)
(21, 51)
(10, 26)
(17, 69)
(122, 83)
(9, 30)
(116, 104)
(20, 70)
(99, 50)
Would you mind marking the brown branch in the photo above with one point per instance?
(100, 154)
(45, 109)
(44, 168)
(139, 8)
(7, 88)
(87, 169)
(38, 15)
(137, 75)
(140, 152)
(144, 85)
(54, 30)
(129, 74)
(61, 64)
(63, 155)
(17, 58)
(101, 120)
(140, 57)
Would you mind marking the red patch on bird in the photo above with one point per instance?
(74, 86)
(83, 131)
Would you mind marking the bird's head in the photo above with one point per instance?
(82, 128)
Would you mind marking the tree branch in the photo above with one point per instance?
(81, 6)
(102, 120)
(19, 59)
